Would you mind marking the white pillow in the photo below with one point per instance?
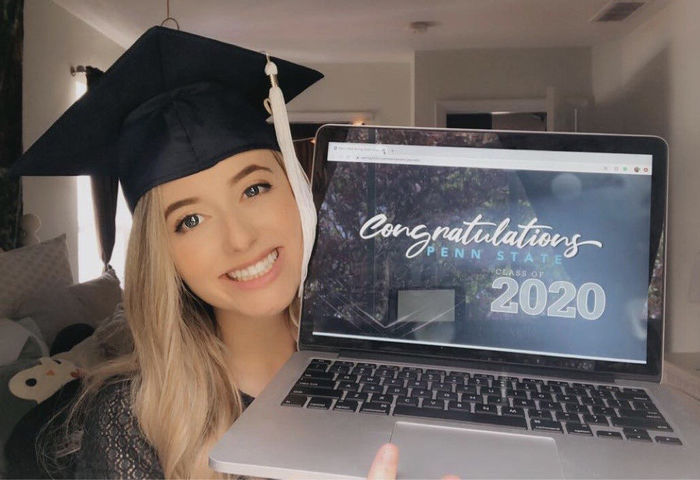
(14, 336)
(27, 271)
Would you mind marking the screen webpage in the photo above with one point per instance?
(520, 251)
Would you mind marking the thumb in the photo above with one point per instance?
(385, 463)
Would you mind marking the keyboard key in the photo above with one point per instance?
(506, 421)
(397, 391)
(316, 392)
(575, 408)
(345, 405)
(315, 382)
(370, 379)
(644, 406)
(339, 369)
(320, 402)
(645, 423)
(318, 374)
(417, 384)
(550, 405)
(410, 401)
(412, 369)
(626, 412)
(344, 363)
(513, 411)
(568, 399)
(668, 440)
(470, 389)
(608, 411)
(547, 425)
(382, 398)
(461, 406)
(357, 396)
(521, 402)
(641, 397)
(428, 403)
(446, 396)
(567, 417)
(346, 378)
(454, 379)
(492, 391)
(362, 371)
(471, 398)
(636, 434)
(496, 400)
(441, 387)
(516, 393)
(484, 408)
(544, 414)
(421, 393)
(433, 371)
(371, 388)
(595, 419)
(294, 400)
(348, 386)
(541, 396)
(578, 429)
(395, 382)
(609, 434)
(366, 365)
(374, 407)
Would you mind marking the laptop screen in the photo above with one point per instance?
(523, 251)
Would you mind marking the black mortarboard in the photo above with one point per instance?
(172, 105)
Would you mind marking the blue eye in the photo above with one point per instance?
(256, 189)
(188, 222)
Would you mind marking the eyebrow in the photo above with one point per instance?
(247, 171)
(180, 203)
(237, 177)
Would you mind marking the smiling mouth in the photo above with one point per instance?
(254, 271)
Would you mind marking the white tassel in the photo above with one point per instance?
(301, 187)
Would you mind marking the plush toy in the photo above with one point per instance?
(41, 381)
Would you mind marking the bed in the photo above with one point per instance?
(51, 329)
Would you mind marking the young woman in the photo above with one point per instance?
(217, 252)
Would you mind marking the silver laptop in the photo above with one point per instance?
(491, 302)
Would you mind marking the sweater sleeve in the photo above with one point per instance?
(113, 445)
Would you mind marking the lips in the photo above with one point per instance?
(255, 270)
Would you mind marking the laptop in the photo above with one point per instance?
(491, 302)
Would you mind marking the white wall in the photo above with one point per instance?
(381, 88)
(478, 74)
(53, 41)
(648, 83)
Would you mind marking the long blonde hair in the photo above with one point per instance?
(178, 360)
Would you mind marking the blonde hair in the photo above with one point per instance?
(177, 363)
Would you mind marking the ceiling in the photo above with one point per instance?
(365, 30)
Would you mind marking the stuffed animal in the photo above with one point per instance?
(41, 381)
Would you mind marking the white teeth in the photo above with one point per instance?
(254, 271)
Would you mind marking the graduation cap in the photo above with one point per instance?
(173, 104)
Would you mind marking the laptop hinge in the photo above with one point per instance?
(467, 364)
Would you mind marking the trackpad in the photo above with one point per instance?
(429, 451)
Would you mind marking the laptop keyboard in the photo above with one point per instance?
(601, 411)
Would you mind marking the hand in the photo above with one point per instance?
(386, 462)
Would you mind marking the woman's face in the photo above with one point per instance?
(235, 234)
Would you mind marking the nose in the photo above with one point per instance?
(239, 233)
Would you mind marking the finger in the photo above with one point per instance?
(385, 463)
(450, 477)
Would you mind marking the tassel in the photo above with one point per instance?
(301, 186)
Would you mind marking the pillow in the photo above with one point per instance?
(26, 271)
(23, 385)
(111, 339)
(20, 339)
(88, 302)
